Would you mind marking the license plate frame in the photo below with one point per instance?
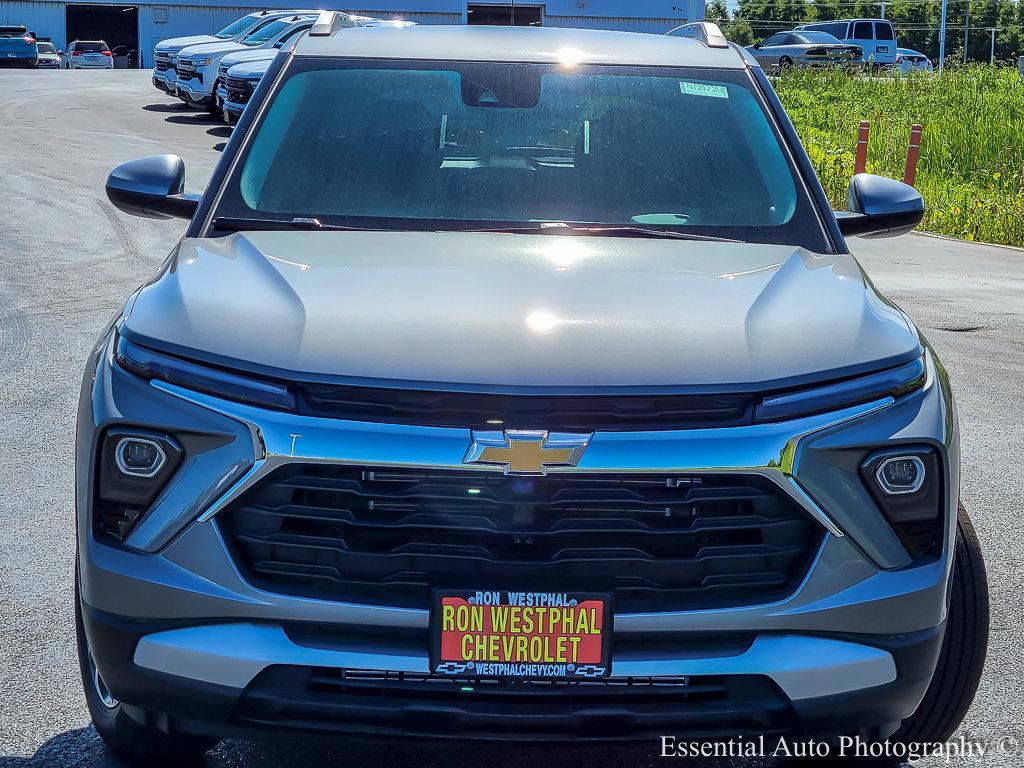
(544, 657)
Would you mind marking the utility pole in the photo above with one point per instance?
(883, 9)
(942, 38)
(992, 55)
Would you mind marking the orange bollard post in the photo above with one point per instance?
(910, 171)
(862, 147)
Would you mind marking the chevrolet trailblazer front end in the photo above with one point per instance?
(477, 404)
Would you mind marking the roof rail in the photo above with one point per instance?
(705, 31)
(329, 22)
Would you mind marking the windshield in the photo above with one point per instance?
(421, 145)
(815, 37)
(46, 48)
(268, 33)
(235, 28)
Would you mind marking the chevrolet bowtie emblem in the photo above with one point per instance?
(526, 452)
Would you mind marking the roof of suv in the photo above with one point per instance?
(533, 44)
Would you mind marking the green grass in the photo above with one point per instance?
(971, 170)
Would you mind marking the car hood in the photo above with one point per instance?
(249, 70)
(508, 311)
(219, 47)
(249, 54)
(175, 44)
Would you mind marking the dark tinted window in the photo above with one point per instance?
(90, 46)
(46, 48)
(883, 30)
(836, 29)
(13, 31)
(862, 31)
(449, 145)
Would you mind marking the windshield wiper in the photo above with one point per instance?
(600, 230)
(238, 224)
(630, 231)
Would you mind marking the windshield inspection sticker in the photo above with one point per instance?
(704, 89)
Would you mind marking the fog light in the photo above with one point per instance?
(900, 474)
(139, 457)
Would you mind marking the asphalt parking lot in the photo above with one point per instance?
(68, 260)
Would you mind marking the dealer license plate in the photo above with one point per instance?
(526, 635)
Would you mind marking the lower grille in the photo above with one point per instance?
(391, 536)
(162, 66)
(613, 709)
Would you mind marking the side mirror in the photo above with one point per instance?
(880, 207)
(757, 45)
(152, 187)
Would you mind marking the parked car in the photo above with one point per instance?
(875, 36)
(241, 72)
(237, 87)
(418, 380)
(259, 55)
(807, 48)
(88, 54)
(198, 65)
(17, 47)
(908, 60)
(165, 52)
(48, 56)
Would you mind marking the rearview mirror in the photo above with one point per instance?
(152, 187)
(880, 207)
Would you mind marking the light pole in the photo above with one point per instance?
(942, 38)
(967, 26)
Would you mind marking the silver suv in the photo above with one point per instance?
(519, 385)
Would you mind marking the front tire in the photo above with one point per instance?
(129, 740)
(962, 657)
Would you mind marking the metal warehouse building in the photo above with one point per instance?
(139, 26)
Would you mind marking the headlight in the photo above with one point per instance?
(151, 364)
(891, 382)
(201, 62)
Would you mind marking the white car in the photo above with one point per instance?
(908, 60)
(48, 56)
(88, 54)
(166, 51)
(876, 37)
(198, 66)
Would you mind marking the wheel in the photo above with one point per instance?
(125, 737)
(213, 109)
(785, 64)
(962, 656)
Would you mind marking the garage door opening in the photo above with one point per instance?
(509, 15)
(116, 25)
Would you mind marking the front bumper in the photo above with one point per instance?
(207, 641)
(194, 92)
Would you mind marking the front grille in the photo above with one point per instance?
(613, 709)
(391, 536)
(566, 413)
(238, 90)
(163, 64)
(187, 71)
